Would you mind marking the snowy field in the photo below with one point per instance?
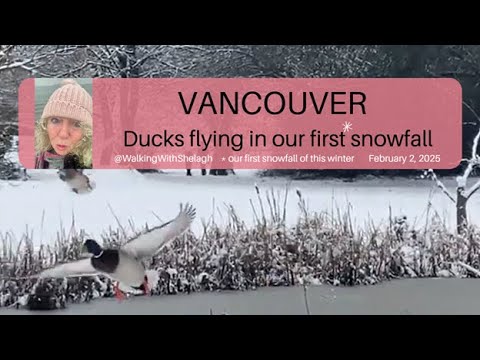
(398, 297)
(44, 202)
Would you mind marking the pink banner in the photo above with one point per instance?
(265, 123)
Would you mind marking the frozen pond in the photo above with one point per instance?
(402, 297)
(43, 204)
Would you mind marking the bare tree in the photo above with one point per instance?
(39, 60)
(462, 195)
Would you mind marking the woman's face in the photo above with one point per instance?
(64, 134)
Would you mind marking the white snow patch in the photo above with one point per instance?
(150, 199)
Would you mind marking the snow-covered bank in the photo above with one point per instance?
(44, 202)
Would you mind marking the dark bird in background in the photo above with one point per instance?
(78, 182)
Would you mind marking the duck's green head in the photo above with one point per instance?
(93, 247)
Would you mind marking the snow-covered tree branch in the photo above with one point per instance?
(441, 185)
(463, 194)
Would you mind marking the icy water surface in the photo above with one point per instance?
(402, 297)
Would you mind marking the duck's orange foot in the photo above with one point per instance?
(146, 288)
(119, 295)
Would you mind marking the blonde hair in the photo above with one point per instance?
(83, 149)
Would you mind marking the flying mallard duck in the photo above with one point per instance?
(125, 264)
(78, 182)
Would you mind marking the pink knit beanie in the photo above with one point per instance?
(70, 101)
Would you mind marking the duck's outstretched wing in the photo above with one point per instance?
(77, 268)
(147, 244)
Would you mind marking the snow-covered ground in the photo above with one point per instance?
(42, 203)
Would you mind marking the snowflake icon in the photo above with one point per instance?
(347, 126)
